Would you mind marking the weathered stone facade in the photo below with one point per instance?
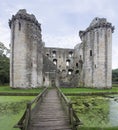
(26, 46)
(97, 54)
(63, 59)
(34, 65)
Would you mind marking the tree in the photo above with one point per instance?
(115, 75)
(4, 69)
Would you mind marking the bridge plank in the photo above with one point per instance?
(50, 114)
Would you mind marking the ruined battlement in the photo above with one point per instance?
(97, 23)
(22, 14)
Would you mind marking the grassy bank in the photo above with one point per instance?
(115, 85)
(89, 90)
(13, 107)
(64, 90)
(8, 89)
(11, 110)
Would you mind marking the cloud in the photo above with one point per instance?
(115, 57)
(4, 35)
(68, 41)
(115, 53)
(61, 20)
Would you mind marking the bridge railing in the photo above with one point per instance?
(68, 106)
(25, 119)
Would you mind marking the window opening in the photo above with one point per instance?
(77, 71)
(67, 62)
(90, 52)
(63, 70)
(54, 53)
(19, 26)
(95, 66)
(70, 71)
(47, 54)
(70, 54)
(80, 56)
(76, 64)
(55, 61)
(43, 79)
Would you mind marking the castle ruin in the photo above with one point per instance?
(33, 65)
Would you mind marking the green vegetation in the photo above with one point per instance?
(88, 90)
(115, 75)
(11, 90)
(115, 85)
(93, 111)
(97, 128)
(4, 69)
(13, 107)
(64, 90)
(11, 110)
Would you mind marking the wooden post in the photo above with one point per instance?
(71, 116)
(29, 112)
(70, 111)
(72, 122)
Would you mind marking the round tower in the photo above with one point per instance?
(26, 60)
(97, 54)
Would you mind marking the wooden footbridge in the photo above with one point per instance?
(50, 110)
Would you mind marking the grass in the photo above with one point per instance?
(64, 90)
(13, 107)
(6, 99)
(89, 90)
(11, 110)
(12, 90)
(7, 122)
(115, 85)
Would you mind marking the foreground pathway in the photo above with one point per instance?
(50, 114)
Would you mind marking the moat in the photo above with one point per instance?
(97, 111)
(94, 111)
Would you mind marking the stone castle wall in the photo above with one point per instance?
(34, 65)
(61, 57)
(50, 73)
(64, 60)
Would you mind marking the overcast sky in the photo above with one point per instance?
(61, 20)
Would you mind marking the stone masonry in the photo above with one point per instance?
(97, 54)
(26, 46)
(34, 65)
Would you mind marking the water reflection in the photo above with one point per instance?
(113, 111)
